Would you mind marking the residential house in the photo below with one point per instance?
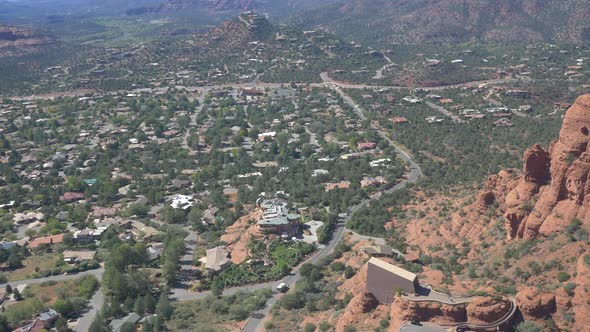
(27, 218)
(154, 251)
(89, 235)
(116, 324)
(368, 181)
(216, 259)
(366, 146)
(319, 172)
(183, 202)
(71, 256)
(48, 240)
(71, 196)
(399, 120)
(338, 185)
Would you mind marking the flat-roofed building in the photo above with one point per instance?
(384, 280)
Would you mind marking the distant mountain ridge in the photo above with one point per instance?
(169, 6)
(283, 6)
(418, 21)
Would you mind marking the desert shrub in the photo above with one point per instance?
(563, 276)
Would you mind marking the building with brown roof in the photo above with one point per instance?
(384, 280)
(338, 185)
(71, 196)
(216, 260)
(71, 256)
(50, 240)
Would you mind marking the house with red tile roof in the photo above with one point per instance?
(71, 196)
(50, 240)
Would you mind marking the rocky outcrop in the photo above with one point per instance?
(483, 310)
(534, 304)
(485, 200)
(554, 186)
(362, 303)
(403, 310)
(580, 302)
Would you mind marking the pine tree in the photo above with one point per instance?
(164, 309)
(17, 295)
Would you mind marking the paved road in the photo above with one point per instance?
(422, 327)
(94, 306)
(97, 273)
(328, 81)
(258, 85)
(193, 121)
(427, 294)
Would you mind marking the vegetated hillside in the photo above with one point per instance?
(525, 234)
(280, 7)
(239, 31)
(400, 21)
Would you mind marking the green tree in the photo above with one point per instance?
(149, 303)
(309, 327)
(217, 287)
(61, 324)
(164, 309)
(64, 307)
(17, 295)
(128, 327)
(528, 326)
(139, 305)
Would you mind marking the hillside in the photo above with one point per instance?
(221, 7)
(526, 233)
(398, 21)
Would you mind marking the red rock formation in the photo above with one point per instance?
(362, 303)
(581, 306)
(483, 310)
(553, 187)
(403, 310)
(534, 304)
(485, 200)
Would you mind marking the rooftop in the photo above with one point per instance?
(393, 269)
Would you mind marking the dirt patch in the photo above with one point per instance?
(239, 234)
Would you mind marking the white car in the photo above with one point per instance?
(282, 287)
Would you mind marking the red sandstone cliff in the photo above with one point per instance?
(554, 186)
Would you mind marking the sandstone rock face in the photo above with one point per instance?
(554, 186)
(486, 310)
(581, 306)
(534, 304)
(485, 200)
(362, 303)
(403, 310)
